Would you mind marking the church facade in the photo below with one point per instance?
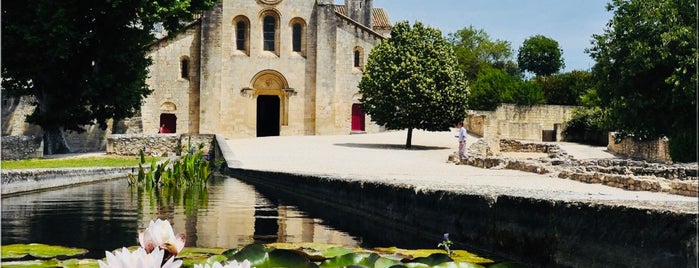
(265, 68)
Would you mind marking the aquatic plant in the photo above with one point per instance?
(190, 169)
(139, 258)
(446, 244)
(159, 235)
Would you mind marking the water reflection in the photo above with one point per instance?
(108, 215)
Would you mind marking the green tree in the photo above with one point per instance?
(412, 81)
(83, 62)
(486, 92)
(646, 71)
(540, 55)
(565, 88)
(475, 51)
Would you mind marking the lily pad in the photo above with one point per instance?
(31, 263)
(457, 255)
(263, 257)
(40, 251)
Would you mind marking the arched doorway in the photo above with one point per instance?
(358, 124)
(168, 123)
(272, 102)
(268, 115)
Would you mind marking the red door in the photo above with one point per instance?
(357, 117)
(168, 123)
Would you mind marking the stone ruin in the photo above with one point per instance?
(633, 175)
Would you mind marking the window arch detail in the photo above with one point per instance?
(358, 57)
(184, 67)
(241, 34)
(298, 35)
(270, 31)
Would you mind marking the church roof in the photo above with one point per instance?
(379, 17)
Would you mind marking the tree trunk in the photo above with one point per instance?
(409, 140)
(55, 142)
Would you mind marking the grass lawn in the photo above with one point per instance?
(92, 161)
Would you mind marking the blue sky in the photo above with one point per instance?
(570, 22)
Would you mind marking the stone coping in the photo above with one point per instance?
(28, 180)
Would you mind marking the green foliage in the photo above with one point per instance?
(475, 51)
(524, 93)
(83, 62)
(683, 146)
(284, 255)
(493, 87)
(646, 71)
(486, 91)
(540, 55)
(587, 125)
(40, 251)
(412, 81)
(566, 88)
(191, 169)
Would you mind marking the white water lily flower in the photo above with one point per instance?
(233, 264)
(159, 234)
(138, 259)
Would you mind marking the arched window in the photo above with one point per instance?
(184, 67)
(298, 35)
(242, 34)
(269, 29)
(358, 57)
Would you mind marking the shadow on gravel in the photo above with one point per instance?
(390, 146)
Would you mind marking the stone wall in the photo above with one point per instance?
(28, 180)
(22, 147)
(157, 144)
(511, 121)
(679, 179)
(653, 151)
(539, 232)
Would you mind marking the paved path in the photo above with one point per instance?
(382, 158)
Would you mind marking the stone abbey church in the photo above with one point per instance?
(251, 68)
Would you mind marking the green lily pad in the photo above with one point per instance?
(457, 255)
(199, 253)
(40, 251)
(433, 259)
(31, 264)
(262, 257)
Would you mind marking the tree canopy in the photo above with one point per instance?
(412, 81)
(475, 51)
(540, 55)
(83, 62)
(647, 73)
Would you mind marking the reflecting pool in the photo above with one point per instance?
(108, 215)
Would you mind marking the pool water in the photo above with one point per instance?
(104, 216)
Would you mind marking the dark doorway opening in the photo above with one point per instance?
(357, 118)
(168, 123)
(267, 116)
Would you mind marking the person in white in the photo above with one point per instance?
(462, 140)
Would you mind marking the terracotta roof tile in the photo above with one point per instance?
(379, 17)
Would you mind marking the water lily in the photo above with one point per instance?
(233, 264)
(138, 259)
(159, 234)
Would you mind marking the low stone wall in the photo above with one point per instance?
(22, 147)
(27, 180)
(511, 121)
(157, 144)
(539, 232)
(653, 151)
(680, 179)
